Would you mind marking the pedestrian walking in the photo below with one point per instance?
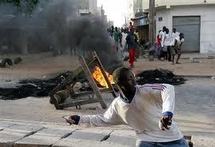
(158, 45)
(178, 43)
(116, 38)
(162, 35)
(168, 43)
(131, 43)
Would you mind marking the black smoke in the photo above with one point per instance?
(55, 26)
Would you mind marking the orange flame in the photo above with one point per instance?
(98, 76)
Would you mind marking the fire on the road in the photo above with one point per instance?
(98, 76)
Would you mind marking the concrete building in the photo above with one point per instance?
(129, 12)
(93, 6)
(194, 18)
(137, 6)
(88, 7)
(140, 20)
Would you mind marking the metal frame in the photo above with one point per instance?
(88, 96)
(91, 81)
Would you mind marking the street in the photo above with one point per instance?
(195, 107)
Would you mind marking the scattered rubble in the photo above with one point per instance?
(159, 76)
(5, 62)
(41, 88)
(17, 60)
(33, 87)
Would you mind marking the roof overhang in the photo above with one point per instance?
(140, 21)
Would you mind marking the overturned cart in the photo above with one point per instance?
(76, 90)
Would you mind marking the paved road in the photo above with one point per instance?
(195, 107)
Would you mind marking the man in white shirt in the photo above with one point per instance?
(169, 43)
(178, 43)
(175, 34)
(162, 35)
(148, 109)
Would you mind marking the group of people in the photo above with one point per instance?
(125, 41)
(169, 44)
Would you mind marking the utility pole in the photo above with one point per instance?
(152, 23)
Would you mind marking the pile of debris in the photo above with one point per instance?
(159, 76)
(41, 88)
(9, 62)
(33, 87)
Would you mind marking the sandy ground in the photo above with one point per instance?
(39, 66)
(43, 65)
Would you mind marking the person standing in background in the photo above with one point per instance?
(162, 35)
(116, 38)
(175, 36)
(168, 43)
(120, 37)
(130, 27)
(178, 43)
(158, 45)
(131, 43)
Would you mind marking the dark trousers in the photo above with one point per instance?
(178, 143)
(163, 55)
(169, 53)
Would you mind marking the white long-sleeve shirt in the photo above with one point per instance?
(175, 36)
(168, 40)
(162, 36)
(142, 114)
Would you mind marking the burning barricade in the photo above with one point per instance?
(82, 86)
(96, 81)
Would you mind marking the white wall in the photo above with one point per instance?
(182, 2)
(207, 24)
(176, 2)
(93, 6)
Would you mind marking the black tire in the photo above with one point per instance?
(17, 60)
(2, 63)
(9, 61)
(5, 62)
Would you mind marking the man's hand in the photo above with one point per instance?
(72, 120)
(165, 122)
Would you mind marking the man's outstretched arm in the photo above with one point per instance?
(110, 117)
(168, 98)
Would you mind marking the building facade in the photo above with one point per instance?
(194, 18)
(88, 7)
